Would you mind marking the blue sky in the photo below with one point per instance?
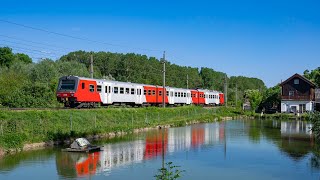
(270, 39)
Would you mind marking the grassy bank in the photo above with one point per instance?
(21, 127)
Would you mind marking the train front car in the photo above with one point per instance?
(66, 92)
(78, 92)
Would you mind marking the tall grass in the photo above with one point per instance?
(20, 127)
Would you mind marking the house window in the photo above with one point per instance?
(115, 90)
(91, 88)
(291, 93)
(98, 88)
(296, 81)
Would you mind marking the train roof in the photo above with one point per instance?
(139, 84)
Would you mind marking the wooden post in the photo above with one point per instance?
(1, 129)
(132, 120)
(70, 121)
(146, 119)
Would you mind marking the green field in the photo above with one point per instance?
(30, 126)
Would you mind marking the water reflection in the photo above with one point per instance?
(245, 139)
(71, 165)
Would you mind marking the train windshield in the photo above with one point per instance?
(67, 85)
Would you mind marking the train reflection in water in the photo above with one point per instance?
(73, 165)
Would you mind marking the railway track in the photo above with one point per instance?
(67, 108)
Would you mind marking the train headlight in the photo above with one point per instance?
(72, 94)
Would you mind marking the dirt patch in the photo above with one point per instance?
(2, 152)
(33, 146)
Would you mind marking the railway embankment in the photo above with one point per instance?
(32, 129)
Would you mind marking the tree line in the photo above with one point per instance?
(28, 84)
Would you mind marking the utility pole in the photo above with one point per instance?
(226, 91)
(164, 79)
(236, 94)
(187, 81)
(91, 66)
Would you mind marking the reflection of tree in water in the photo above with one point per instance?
(254, 131)
(315, 158)
(296, 146)
(10, 162)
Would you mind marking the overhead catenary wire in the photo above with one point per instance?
(36, 42)
(75, 37)
(29, 45)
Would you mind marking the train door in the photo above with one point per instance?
(139, 95)
(100, 90)
(171, 94)
(108, 93)
(188, 97)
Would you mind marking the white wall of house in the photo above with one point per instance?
(291, 106)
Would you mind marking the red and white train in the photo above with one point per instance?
(76, 91)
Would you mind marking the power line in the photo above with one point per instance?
(74, 37)
(29, 45)
(34, 50)
(45, 44)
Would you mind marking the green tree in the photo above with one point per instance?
(255, 98)
(6, 56)
(271, 98)
(313, 75)
(23, 58)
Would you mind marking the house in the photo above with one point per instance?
(297, 95)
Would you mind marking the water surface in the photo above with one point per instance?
(238, 149)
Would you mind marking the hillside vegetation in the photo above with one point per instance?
(28, 84)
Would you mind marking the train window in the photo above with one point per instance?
(83, 85)
(106, 90)
(167, 93)
(185, 95)
(109, 89)
(149, 92)
(132, 90)
(115, 90)
(153, 92)
(127, 91)
(91, 88)
(138, 91)
(121, 90)
(160, 93)
(145, 92)
(98, 88)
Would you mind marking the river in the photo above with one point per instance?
(237, 149)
